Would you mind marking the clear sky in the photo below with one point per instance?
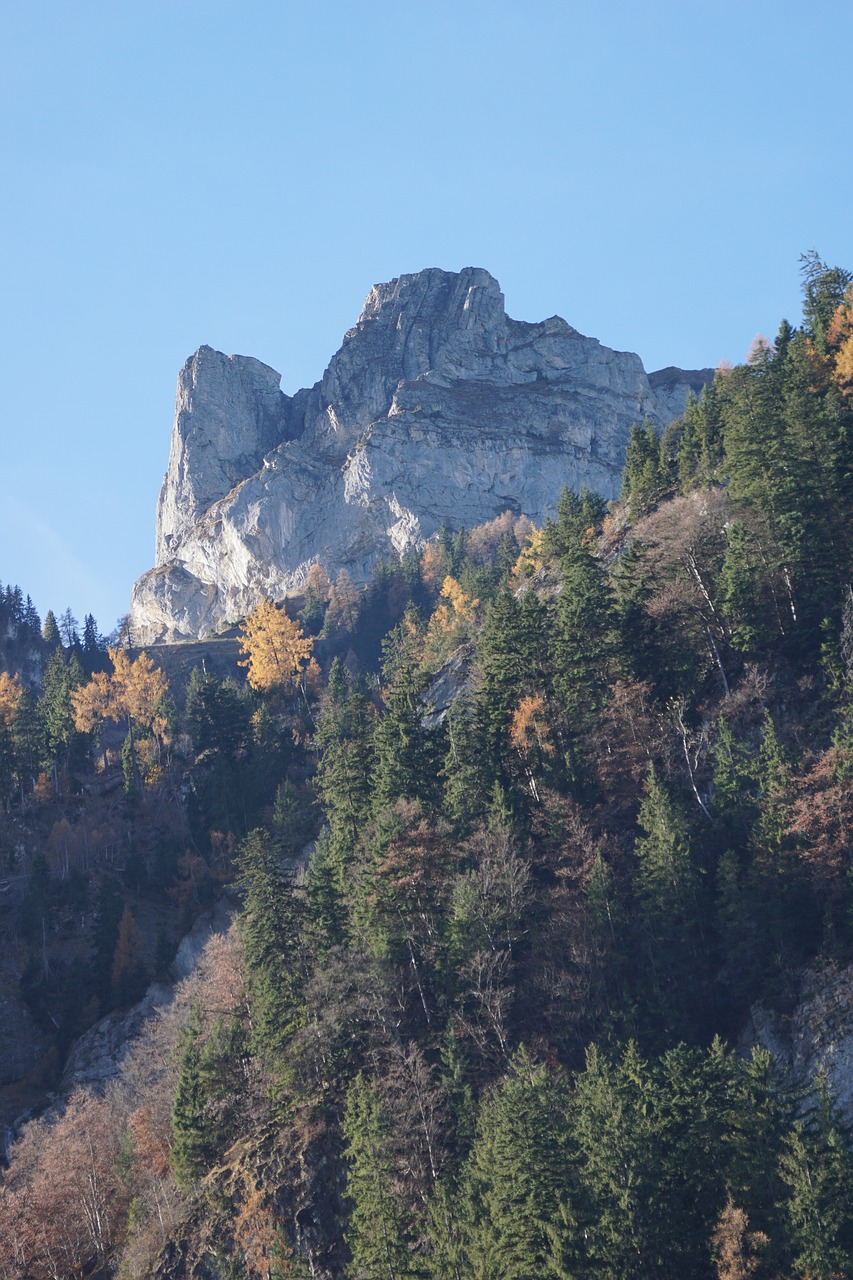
(179, 172)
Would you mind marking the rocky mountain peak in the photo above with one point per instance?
(438, 409)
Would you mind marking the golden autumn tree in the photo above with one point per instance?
(11, 693)
(530, 735)
(450, 620)
(840, 342)
(432, 565)
(133, 693)
(532, 556)
(276, 649)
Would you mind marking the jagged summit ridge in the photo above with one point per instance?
(437, 409)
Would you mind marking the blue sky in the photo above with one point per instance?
(188, 171)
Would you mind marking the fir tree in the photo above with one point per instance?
(584, 648)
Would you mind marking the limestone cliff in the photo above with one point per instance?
(437, 409)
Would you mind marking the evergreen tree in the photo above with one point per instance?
(700, 446)
(645, 477)
(61, 677)
(377, 1234)
(465, 772)
(743, 593)
(667, 886)
(217, 714)
(192, 1148)
(733, 787)
(613, 1144)
(516, 1218)
(816, 1167)
(405, 749)
(584, 648)
(512, 661)
(638, 651)
(823, 291)
(759, 1111)
(270, 925)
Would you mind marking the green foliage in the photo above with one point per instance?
(816, 1168)
(217, 714)
(406, 752)
(379, 1243)
(645, 478)
(271, 923)
(192, 1148)
(515, 1215)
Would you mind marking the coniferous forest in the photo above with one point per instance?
(514, 839)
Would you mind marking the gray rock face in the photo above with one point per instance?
(229, 410)
(437, 409)
(817, 1037)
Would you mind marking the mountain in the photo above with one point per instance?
(438, 409)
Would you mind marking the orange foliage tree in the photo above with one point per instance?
(10, 696)
(839, 338)
(529, 734)
(451, 619)
(276, 649)
(133, 692)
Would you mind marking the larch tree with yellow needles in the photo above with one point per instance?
(276, 649)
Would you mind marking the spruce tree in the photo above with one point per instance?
(50, 631)
(406, 752)
(377, 1234)
(516, 1218)
(270, 924)
(816, 1168)
(584, 648)
(192, 1148)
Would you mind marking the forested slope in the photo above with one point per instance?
(477, 1014)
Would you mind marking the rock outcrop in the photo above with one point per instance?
(437, 409)
(816, 1038)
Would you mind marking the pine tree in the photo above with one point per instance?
(216, 714)
(612, 1142)
(700, 448)
(645, 477)
(465, 771)
(584, 648)
(667, 887)
(63, 675)
(759, 1112)
(512, 660)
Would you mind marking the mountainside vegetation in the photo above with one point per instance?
(517, 836)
